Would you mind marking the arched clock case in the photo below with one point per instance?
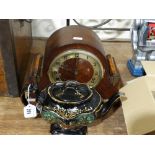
(76, 53)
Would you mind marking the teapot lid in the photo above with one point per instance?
(70, 92)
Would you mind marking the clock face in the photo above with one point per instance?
(78, 65)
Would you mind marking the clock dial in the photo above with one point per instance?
(76, 64)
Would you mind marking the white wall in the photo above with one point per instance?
(45, 27)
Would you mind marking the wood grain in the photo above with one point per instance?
(9, 85)
(15, 44)
(3, 83)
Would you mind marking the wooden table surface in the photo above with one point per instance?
(12, 121)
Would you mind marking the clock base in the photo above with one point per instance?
(58, 130)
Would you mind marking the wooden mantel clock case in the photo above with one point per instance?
(76, 53)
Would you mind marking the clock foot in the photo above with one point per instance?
(58, 130)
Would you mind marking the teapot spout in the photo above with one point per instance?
(109, 104)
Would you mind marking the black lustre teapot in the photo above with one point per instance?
(71, 106)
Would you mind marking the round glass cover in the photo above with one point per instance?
(76, 64)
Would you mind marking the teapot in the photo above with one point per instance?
(71, 106)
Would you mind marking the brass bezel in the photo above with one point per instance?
(83, 54)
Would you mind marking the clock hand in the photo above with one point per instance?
(67, 69)
(62, 67)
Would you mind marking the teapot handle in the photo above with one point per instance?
(109, 104)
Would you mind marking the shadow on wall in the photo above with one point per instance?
(43, 28)
(118, 23)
